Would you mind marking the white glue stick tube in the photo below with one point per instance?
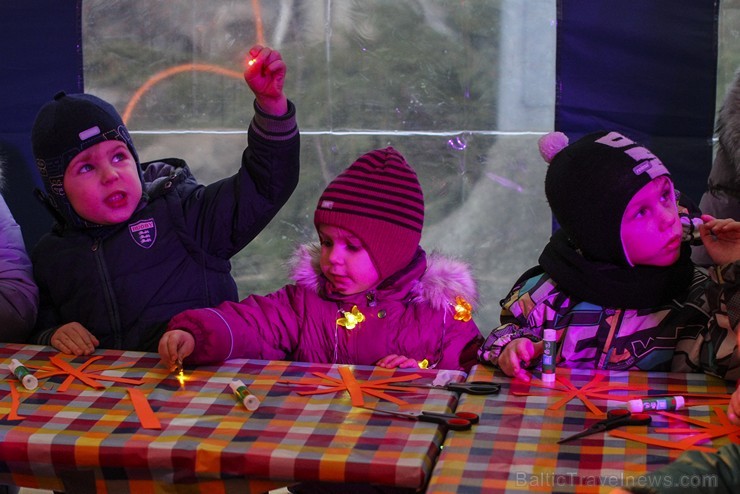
(548, 356)
(23, 374)
(656, 404)
(241, 391)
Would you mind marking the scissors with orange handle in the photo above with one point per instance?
(614, 418)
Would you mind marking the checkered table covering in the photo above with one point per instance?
(208, 441)
(513, 448)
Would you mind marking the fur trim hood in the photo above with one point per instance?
(442, 281)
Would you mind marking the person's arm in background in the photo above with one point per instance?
(19, 296)
(713, 350)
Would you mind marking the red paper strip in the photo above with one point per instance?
(353, 387)
(707, 432)
(15, 402)
(654, 441)
(589, 391)
(73, 374)
(145, 413)
(65, 368)
(372, 388)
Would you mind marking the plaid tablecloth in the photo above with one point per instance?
(514, 449)
(208, 442)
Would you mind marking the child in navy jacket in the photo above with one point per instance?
(135, 244)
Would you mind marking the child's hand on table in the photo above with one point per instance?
(393, 361)
(73, 338)
(517, 355)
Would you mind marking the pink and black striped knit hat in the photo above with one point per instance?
(379, 200)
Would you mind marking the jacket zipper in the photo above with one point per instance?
(110, 300)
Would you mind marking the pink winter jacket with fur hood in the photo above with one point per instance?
(411, 314)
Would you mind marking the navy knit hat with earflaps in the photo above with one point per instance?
(64, 127)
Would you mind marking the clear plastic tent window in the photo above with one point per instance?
(462, 89)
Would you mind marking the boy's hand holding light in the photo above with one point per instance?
(265, 75)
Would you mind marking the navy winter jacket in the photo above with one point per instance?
(124, 282)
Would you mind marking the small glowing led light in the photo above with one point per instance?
(251, 62)
(180, 373)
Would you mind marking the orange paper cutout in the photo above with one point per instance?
(144, 412)
(682, 445)
(712, 430)
(707, 432)
(353, 387)
(373, 388)
(589, 391)
(63, 367)
(146, 415)
(15, 402)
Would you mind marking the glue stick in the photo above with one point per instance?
(250, 401)
(23, 374)
(656, 404)
(548, 356)
(690, 230)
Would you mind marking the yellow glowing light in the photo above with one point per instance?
(424, 364)
(351, 319)
(463, 310)
(251, 62)
(181, 378)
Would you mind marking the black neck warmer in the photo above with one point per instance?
(609, 285)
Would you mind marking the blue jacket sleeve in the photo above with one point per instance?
(226, 215)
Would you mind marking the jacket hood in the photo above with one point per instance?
(156, 173)
(443, 278)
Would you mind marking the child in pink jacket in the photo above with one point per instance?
(368, 295)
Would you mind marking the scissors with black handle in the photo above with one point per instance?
(614, 418)
(471, 388)
(458, 421)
